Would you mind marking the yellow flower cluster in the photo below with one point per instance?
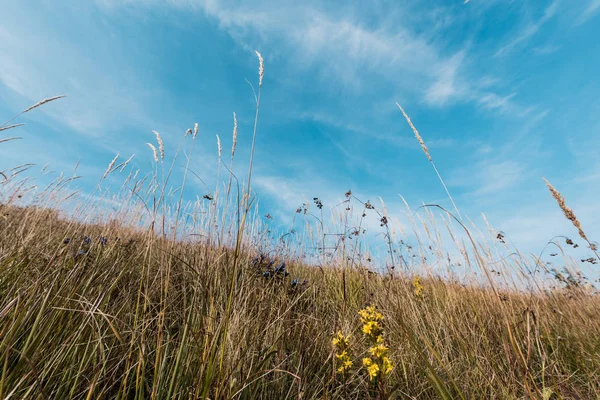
(378, 364)
(370, 319)
(418, 287)
(341, 345)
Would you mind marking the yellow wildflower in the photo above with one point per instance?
(340, 341)
(386, 365)
(370, 314)
(341, 345)
(345, 367)
(379, 350)
(369, 327)
(418, 287)
(372, 368)
(378, 364)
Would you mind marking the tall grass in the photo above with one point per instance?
(163, 299)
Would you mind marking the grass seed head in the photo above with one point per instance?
(127, 162)
(153, 151)
(235, 133)
(161, 147)
(219, 146)
(569, 214)
(112, 164)
(421, 142)
(261, 68)
(41, 103)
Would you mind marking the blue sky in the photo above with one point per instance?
(503, 93)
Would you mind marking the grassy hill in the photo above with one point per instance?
(114, 304)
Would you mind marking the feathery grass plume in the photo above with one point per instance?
(161, 147)
(235, 133)
(195, 130)
(127, 162)
(154, 151)
(219, 146)
(9, 139)
(426, 151)
(188, 132)
(569, 214)
(419, 138)
(112, 164)
(5, 128)
(40, 103)
(261, 68)
(36, 105)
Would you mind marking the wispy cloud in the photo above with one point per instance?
(591, 9)
(489, 177)
(546, 49)
(446, 86)
(492, 101)
(37, 69)
(340, 50)
(530, 29)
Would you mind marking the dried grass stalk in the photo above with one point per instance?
(161, 147)
(421, 142)
(426, 151)
(569, 214)
(5, 128)
(112, 164)
(127, 162)
(41, 103)
(9, 139)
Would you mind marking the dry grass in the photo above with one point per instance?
(77, 324)
(156, 300)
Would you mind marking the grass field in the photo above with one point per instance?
(168, 299)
